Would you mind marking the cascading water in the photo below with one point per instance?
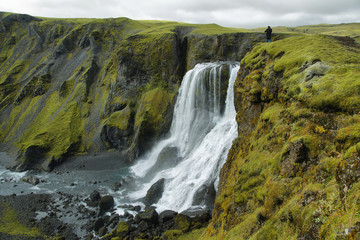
(201, 134)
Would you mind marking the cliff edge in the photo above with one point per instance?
(293, 172)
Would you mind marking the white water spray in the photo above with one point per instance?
(202, 132)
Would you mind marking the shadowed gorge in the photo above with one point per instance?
(88, 87)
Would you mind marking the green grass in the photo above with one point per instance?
(321, 111)
(346, 29)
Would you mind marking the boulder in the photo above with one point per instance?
(155, 192)
(99, 223)
(182, 222)
(167, 219)
(149, 215)
(31, 179)
(167, 215)
(106, 204)
(122, 229)
(95, 196)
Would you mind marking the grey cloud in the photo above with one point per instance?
(232, 13)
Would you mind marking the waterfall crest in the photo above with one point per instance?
(201, 134)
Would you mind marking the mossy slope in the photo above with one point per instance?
(291, 173)
(70, 86)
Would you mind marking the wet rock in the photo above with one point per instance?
(143, 226)
(182, 222)
(205, 195)
(167, 215)
(117, 186)
(136, 208)
(122, 229)
(95, 196)
(295, 159)
(149, 215)
(99, 223)
(155, 192)
(167, 219)
(31, 179)
(103, 231)
(106, 204)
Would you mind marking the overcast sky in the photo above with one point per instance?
(228, 13)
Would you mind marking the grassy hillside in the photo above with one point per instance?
(293, 171)
(345, 29)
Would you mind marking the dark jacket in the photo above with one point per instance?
(268, 32)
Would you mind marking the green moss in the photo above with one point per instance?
(332, 83)
(152, 107)
(10, 224)
(123, 227)
(182, 223)
(57, 129)
(350, 133)
(120, 119)
(172, 234)
(352, 151)
(295, 74)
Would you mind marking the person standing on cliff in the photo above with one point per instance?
(268, 34)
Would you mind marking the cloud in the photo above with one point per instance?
(232, 13)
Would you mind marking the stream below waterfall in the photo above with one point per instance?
(186, 165)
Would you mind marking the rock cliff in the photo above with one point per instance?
(71, 86)
(293, 171)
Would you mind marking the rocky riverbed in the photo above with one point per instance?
(81, 200)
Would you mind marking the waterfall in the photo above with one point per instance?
(201, 134)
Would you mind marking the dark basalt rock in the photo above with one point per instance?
(155, 192)
(205, 195)
(106, 204)
(98, 224)
(115, 137)
(149, 215)
(167, 215)
(95, 196)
